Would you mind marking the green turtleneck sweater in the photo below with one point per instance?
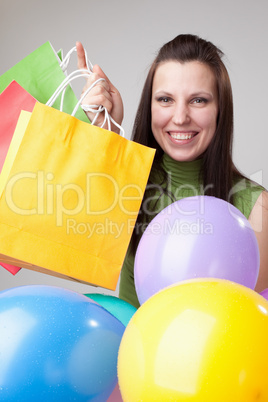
(183, 181)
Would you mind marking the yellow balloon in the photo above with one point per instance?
(202, 340)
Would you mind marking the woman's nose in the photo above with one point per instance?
(181, 114)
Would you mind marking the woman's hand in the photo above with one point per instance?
(103, 94)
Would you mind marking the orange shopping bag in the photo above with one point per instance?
(70, 200)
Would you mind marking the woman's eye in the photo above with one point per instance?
(199, 100)
(164, 99)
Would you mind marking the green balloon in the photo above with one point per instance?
(120, 309)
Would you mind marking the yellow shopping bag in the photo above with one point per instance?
(69, 197)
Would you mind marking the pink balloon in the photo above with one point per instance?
(115, 395)
(264, 293)
(196, 237)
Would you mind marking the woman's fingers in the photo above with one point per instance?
(97, 70)
(98, 95)
(104, 93)
(101, 86)
(81, 57)
(117, 110)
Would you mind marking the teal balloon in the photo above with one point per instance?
(120, 309)
(56, 345)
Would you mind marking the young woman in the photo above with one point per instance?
(186, 113)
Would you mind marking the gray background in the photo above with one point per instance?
(123, 37)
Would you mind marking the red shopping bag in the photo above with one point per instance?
(11, 268)
(12, 100)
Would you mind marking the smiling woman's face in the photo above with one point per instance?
(184, 108)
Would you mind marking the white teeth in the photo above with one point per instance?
(182, 136)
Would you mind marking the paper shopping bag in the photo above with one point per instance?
(12, 100)
(11, 268)
(10, 157)
(14, 146)
(72, 198)
(40, 74)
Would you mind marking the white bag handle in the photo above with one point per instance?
(65, 61)
(62, 87)
(87, 108)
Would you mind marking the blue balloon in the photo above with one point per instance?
(119, 308)
(56, 345)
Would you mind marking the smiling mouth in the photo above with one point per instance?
(182, 136)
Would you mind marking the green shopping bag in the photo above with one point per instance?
(40, 74)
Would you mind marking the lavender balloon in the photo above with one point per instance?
(196, 237)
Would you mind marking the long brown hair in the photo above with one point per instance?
(218, 168)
